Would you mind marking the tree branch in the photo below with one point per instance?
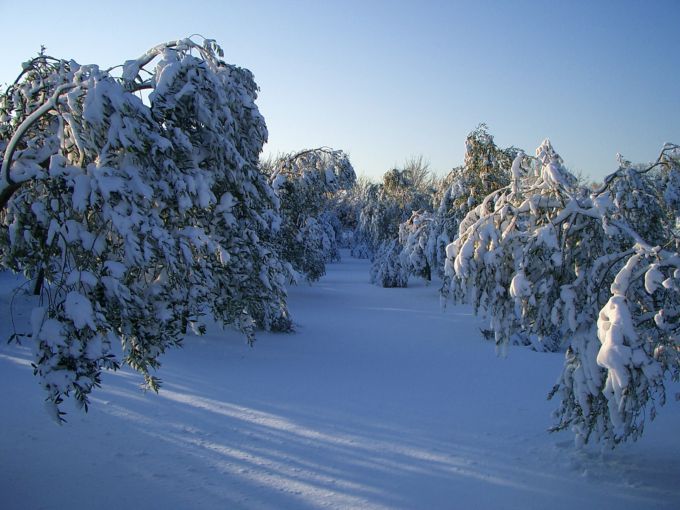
(7, 184)
(660, 161)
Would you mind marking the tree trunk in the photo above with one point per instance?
(39, 282)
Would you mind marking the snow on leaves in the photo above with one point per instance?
(135, 219)
(306, 184)
(537, 257)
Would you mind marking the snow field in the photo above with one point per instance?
(379, 400)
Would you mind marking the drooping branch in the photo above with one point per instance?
(660, 161)
(131, 68)
(7, 184)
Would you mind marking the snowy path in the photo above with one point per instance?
(380, 400)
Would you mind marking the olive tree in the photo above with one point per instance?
(135, 216)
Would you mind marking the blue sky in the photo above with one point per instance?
(386, 81)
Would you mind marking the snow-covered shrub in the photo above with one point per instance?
(135, 218)
(305, 183)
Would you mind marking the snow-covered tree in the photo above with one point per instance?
(639, 201)
(414, 235)
(388, 269)
(612, 383)
(667, 180)
(136, 217)
(639, 333)
(379, 219)
(508, 250)
(486, 168)
(384, 206)
(305, 183)
(538, 258)
(343, 210)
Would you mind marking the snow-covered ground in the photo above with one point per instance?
(379, 400)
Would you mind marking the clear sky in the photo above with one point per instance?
(389, 80)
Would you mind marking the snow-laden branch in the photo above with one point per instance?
(131, 68)
(661, 160)
(6, 179)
